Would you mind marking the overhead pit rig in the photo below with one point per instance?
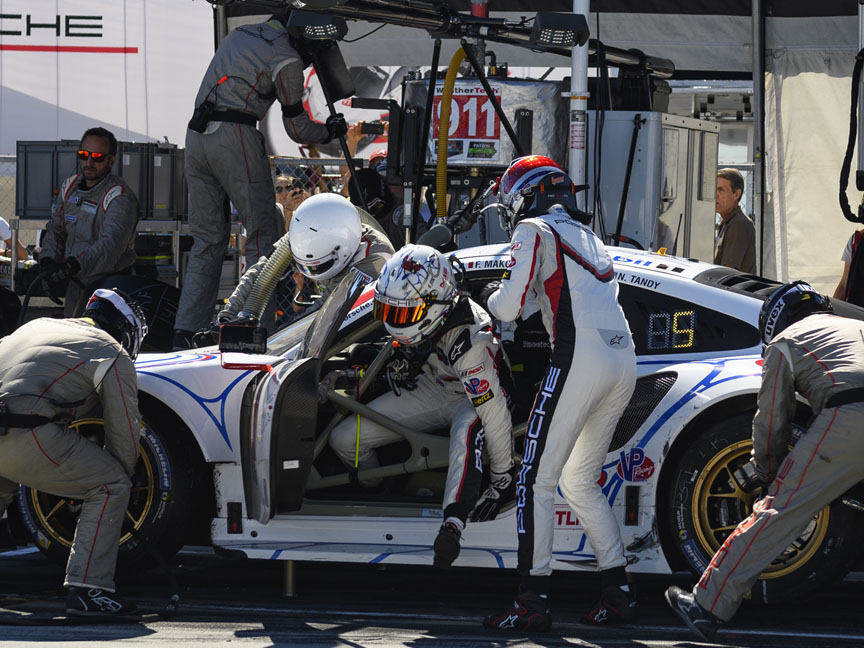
(648, 177)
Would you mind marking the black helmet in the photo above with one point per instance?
(120, 316)
(788, 304)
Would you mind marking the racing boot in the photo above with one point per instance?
(96, 602)
(529, 612)
(182, 340)
(700, 621)
(615, 607)
(447, 543)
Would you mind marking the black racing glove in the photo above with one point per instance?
(336, 127)
(750, 478)
(487, 292)
(71, 266)
(401, 374)
(50, 279)
(501, 490)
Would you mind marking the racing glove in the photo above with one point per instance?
(71, 266)
(750, 478)
(500, 491)
(487, 292)
(336, 127)
(49, 284)
(401, 375)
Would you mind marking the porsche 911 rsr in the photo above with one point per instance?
(238, 444)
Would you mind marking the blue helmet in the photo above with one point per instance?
(788, 304)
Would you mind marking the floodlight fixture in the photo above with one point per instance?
(557, 29)
(318, 26)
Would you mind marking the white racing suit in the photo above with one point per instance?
(97, 227)
(560, 264)
(459, 387)
(820, 357)
(372, 253)
(63, 370)
(254, 65)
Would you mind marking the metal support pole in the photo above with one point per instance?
(758, 27)
(579, 109)
(289, 581)
(416, 195)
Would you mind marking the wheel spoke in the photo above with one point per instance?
(55, 509)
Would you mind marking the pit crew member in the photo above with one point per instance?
(453, 379)
(91, 232)
(53, 371)
(559, 266)
(821, 356)
(225, 156)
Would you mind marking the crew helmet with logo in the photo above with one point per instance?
(324, 235)
(414, 293)
(788, 304)
(518, 185)
(120, 316)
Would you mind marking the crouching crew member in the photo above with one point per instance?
(447, 374)
(559, 266)
(53, 371)
(821, 356)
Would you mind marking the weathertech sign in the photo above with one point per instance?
(33, 32)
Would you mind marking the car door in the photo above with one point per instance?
(277, 447)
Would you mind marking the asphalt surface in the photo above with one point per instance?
(230, 602)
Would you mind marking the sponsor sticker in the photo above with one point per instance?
(481, 399)
(472, 371)
(476, 386)
(89, 207)
(635, 466)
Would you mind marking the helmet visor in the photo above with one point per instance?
(316, 270)
(398, 315)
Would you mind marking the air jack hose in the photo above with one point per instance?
(444, 133)
(850, 146)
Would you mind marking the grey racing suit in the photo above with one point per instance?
(559, 266)
(459, 387)
(820, 357)
(372, 253)
(254, 65)
(97, 227)
(64, 370)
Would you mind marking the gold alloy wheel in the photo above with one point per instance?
(721, 503)
(58, 516)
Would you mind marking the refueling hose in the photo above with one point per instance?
(444, 133)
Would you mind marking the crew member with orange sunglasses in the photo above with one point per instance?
(91, 233)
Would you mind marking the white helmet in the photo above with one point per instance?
(324, 235)
(120, 316)
(414, 293)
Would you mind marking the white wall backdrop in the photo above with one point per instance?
(132, 66)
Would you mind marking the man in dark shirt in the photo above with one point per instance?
(736, 241)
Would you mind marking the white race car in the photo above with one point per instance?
(235, 447)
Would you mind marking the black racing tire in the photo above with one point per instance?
(159, 505)
(705, 504)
